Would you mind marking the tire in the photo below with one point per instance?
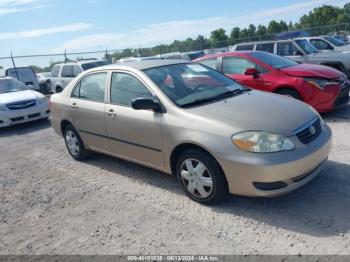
(208, 187)
(74, 144)
(59, 89)
(290, 92)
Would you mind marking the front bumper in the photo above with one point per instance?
(14, 117)
(333, 98)
(268, 175)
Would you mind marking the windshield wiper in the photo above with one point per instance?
(227, 94)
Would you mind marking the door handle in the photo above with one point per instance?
(111, 113)
(74, 106)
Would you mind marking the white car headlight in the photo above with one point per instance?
(42, 100)
(262, 142)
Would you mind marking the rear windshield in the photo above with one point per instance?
(94, 64)
(11, 85)
(275, 61)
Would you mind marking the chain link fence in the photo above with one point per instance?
(45, 61)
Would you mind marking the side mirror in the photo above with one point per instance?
(252, 72)
(142, 103)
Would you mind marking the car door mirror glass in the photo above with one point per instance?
(252, 72)
(145, 103)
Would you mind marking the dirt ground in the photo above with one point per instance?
(50, 204)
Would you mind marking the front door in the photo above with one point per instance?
(235, 67)
(133, 134)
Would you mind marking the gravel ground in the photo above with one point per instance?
(50, 204)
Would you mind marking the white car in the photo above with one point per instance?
(18, 104)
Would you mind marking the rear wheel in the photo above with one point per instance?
(201, 177)
(74, 144)
(290, 92)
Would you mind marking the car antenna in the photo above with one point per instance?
(14, 66)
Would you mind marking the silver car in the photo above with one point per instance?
(188, 120)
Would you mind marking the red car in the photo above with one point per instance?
(322, 87)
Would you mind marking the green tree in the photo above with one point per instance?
(218, 38)
(274, 27)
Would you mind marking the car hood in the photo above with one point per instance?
(258, 111)
(344, 48)
(18, 96)
(310, 70)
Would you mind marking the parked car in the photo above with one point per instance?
(344, 38)
(62, 74)
(291, 34)
(189, 120)
(322, 87)
(299, 50)
(328, 43)
(18, 104)
(45, 84)
(26, 75)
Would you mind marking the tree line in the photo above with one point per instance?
(318, 17)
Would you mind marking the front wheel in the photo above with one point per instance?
(201, 177)
(74, 144)
(291, 93)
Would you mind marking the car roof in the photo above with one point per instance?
(144, 64)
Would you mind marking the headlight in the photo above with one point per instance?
(320, 83)
(42, 100)
(262, 142)
(2, 108)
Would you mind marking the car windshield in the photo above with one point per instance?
(306, 46)
(334, 41)
(275, 61)
(88, 66)
(193, 84)
(11, 85)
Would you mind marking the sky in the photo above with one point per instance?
(52, 26)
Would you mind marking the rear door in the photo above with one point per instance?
(235, 67)
(134, 134)
(88, 110)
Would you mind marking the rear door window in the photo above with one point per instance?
(68, 71)
(244, 47)
(55, 71)
(92, 87)
(265, 47)
(211, 62)
(287, 49)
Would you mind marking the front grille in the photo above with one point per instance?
(21, 105)
(310, 132)
(343, 97)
